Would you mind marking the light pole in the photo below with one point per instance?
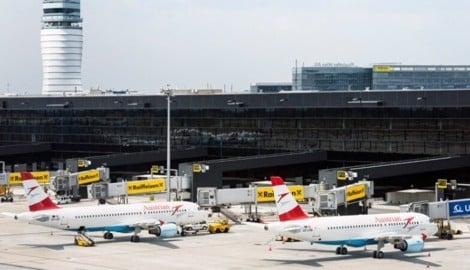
(168, 93)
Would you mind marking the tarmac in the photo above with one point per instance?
(26, 246)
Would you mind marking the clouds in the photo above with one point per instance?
(143, 44)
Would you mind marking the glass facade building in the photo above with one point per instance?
(380, 77)
(402, 77)
(411, 122)
(331, 78)
(270, 87)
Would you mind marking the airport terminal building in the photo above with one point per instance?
(412, 122)
(243, 137)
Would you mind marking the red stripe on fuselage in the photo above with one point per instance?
(45, 204)
(294, 214)
(26, 176)
(276, 181)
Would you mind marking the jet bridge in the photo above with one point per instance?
(5, 194)
(417, 172)
(335, 201)
(317, 197)
(442, 212)
(65, 183)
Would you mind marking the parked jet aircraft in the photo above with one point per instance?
(159, 218)
(406, 231)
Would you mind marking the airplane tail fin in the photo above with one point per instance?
(287, 206)
(35, 195)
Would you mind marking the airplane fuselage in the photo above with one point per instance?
(356, 230)
(405, 231)
(117, 218)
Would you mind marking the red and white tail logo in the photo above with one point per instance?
(35, 195)
(287, 206)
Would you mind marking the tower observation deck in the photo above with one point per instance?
(61, 47)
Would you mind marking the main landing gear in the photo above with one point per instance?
(341, 250)
(108, 236)
(378, 254)
(135, 238)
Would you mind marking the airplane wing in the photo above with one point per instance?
(8, 214)
(293, 229)
(26, 216)
(254, 224)
(391, 237)
(147, 223)
(274, 227)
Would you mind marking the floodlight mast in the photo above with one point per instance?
(168, 94)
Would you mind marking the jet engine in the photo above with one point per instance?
(415, 244)
(165, 230)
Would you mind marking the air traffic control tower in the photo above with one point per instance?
(61, 47)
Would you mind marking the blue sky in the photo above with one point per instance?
(147, 44)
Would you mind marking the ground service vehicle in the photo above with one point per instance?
(83, 240)
(63, 200)
(5, 194)
(194, 228)
(445, 231)
(219, 226)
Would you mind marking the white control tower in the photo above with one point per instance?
(61, 47)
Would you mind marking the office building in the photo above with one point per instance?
(337, 77)
(403, 77)
(270, 87)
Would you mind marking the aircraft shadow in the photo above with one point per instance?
(166, 243)
(417, 258)
(455, 238)
(51, 246)
(152, 240)
(14, 266)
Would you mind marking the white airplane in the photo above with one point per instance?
(160, 218)
(406, 231)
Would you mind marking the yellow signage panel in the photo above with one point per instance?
(355, 192)
(442, 183)
(196, 167)
(341, 175)
(382, 68)
(154, 169)
(41, 177)
(146, 186)
(88, 177)
(266, 194)
(83, 163)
